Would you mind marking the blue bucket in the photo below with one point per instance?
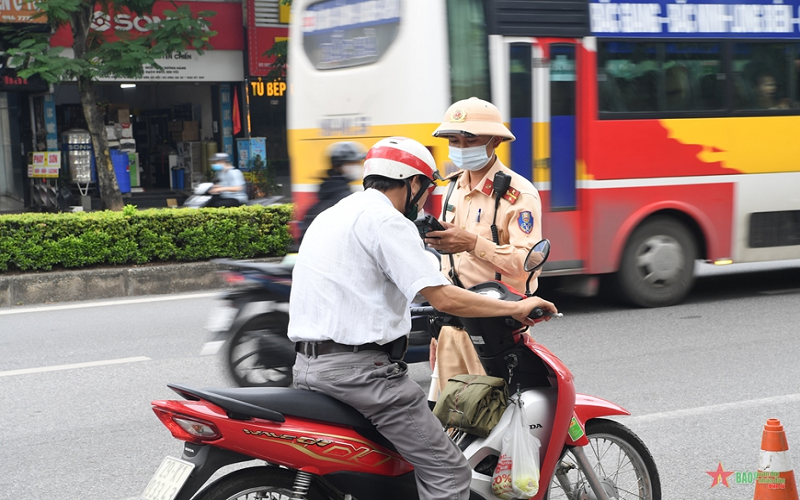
(121, 163)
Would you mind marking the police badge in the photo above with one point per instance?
(525, 222)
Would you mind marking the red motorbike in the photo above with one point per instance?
(306, 445)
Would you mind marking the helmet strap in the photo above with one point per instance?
(411, 204)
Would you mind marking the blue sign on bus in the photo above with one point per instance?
(696, 18)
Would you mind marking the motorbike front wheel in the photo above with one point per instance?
(257, 482)
(620, 460)
(260, 354)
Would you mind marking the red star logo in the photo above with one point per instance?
(720, 476)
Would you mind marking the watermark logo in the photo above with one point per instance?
(773, 480)
(719, 476)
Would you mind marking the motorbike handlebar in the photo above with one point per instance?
(423, 311)
(538, 312)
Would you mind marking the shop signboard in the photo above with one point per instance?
(227, 22)
(265, 26)
(213, 66)
(10, 82)
(227, 118)
(17, 11)
(44, 164)
(50, 123)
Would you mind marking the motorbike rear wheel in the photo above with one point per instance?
(257, 482)
(260, 354)
(621, 461)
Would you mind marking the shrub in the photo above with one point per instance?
(39, 241)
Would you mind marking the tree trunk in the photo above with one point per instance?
(106, 179)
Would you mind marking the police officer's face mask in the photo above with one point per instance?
(471, 159)
(216, 167)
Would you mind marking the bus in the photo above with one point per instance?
(658, 132)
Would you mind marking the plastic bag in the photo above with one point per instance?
(517, 471)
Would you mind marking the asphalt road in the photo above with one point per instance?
(700, 379)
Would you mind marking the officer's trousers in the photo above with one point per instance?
(455, 355)
(384, 393)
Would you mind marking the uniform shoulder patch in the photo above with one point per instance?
(487, 188)
(525, 221)
(512, 195)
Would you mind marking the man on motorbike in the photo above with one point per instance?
(231, 185)
(359, 267)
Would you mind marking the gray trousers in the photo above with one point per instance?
(384, 393)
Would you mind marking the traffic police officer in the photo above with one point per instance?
(474, 130)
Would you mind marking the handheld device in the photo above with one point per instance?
(426, 224)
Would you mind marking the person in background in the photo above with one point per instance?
(765, 92)
(231, 184)
(346, 160)
(474, 130)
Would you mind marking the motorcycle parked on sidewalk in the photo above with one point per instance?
(250, 323)
(314, 447)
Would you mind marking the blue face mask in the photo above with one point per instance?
(216, 167)
(471, 159)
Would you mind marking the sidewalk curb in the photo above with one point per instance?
(107, 283)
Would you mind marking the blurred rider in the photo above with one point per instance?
(231, 185)
(347, 165)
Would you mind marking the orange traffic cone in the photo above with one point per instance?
(775, 479)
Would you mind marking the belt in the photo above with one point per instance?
(330, 347)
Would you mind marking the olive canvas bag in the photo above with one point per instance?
(472, 403)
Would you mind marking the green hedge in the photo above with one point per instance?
(39, 241)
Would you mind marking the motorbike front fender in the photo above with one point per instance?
(589, 407)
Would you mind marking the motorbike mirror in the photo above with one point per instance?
(535, 260)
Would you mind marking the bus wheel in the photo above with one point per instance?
(658, 264)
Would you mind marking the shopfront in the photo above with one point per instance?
(20, 100)
(173, 117)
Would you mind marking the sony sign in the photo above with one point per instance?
(122, 22)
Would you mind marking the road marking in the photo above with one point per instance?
(110, 303)
(707, 410)
(90, 364)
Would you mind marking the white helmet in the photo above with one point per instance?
(399, 158)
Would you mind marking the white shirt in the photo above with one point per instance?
(359, 267)
(232, 177)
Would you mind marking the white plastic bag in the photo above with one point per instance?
(517, 472)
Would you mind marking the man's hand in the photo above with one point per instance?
(528, 305)
(452, 240)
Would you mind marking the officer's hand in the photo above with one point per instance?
(452, 240)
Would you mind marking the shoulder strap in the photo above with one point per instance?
(453, 274)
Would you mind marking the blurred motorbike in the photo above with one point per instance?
(201, 197)
(250, 323)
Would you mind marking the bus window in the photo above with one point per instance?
(521, 102)
(563, 138)
(762, 75)
(469, 53)
(627, 76)
(693, 77)
(340, 36)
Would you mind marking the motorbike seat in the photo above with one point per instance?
(305, 404)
